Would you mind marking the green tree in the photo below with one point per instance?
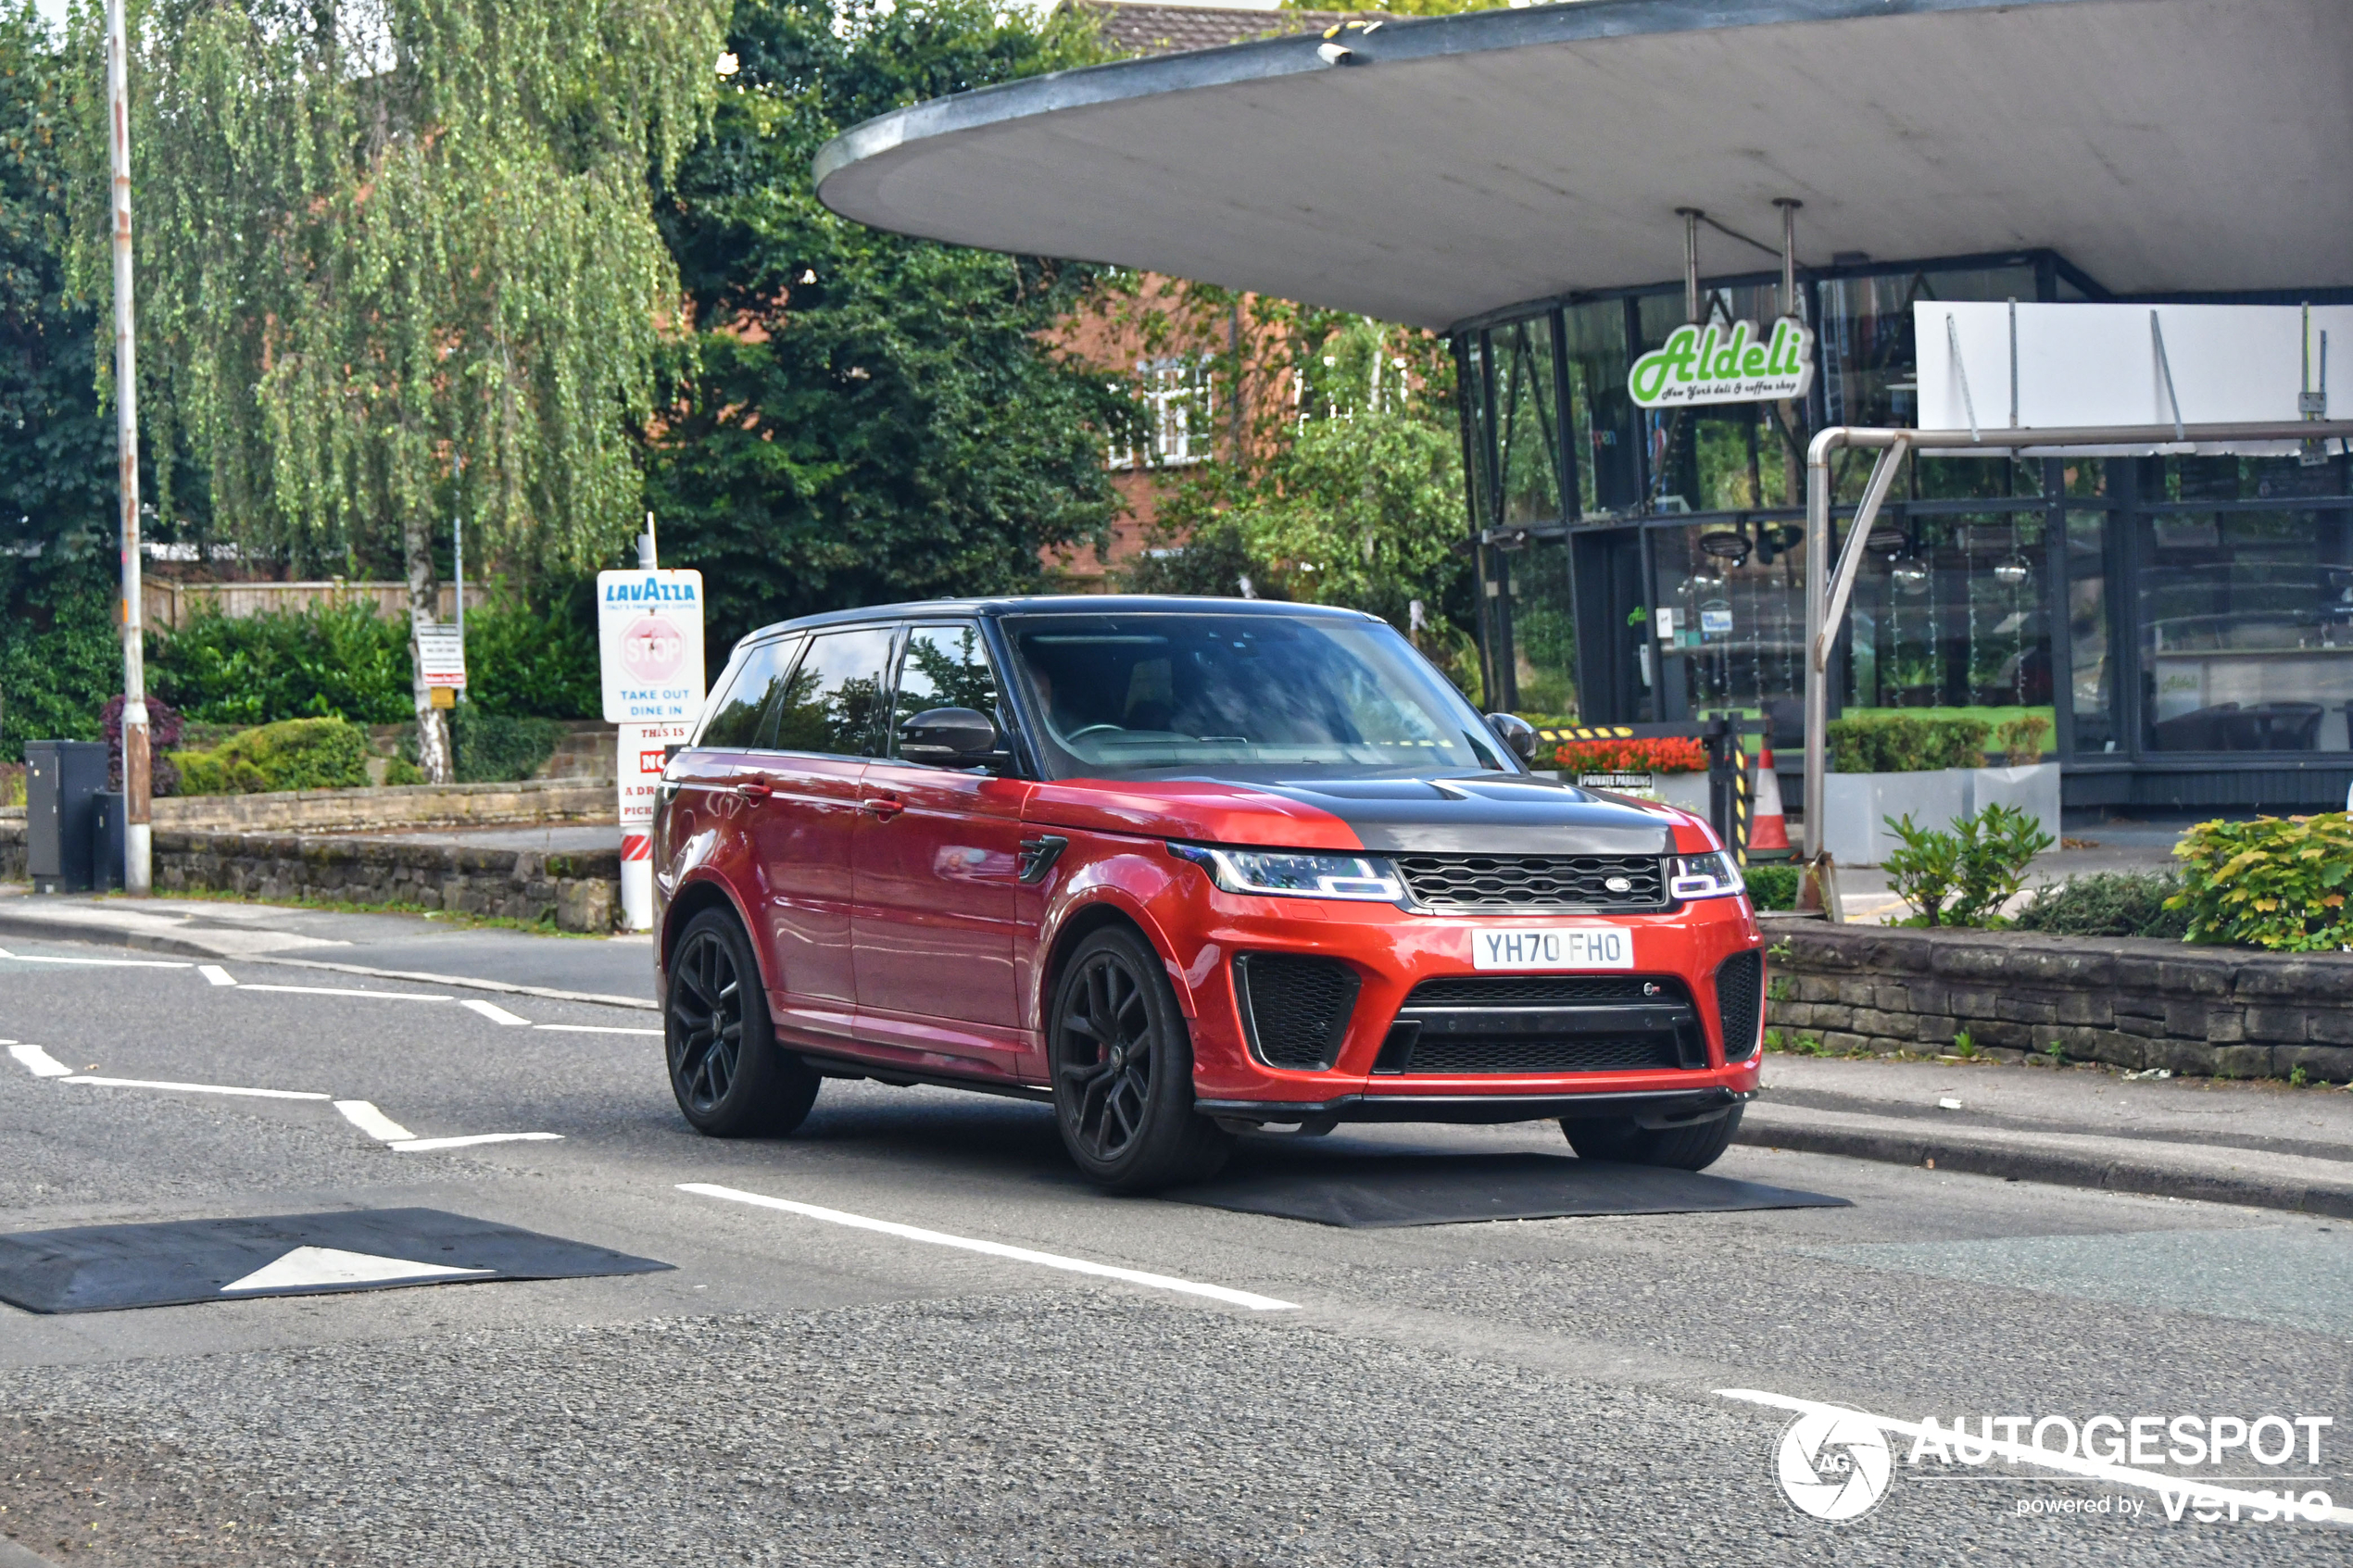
(1348, 488)
(396, 260)
(861, 416)
(60, 657)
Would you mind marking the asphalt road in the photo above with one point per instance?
(799, 1389)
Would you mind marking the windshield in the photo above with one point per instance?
(1152, 692)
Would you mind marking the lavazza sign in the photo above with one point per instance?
(1709, 364)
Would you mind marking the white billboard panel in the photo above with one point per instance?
(2077, 365)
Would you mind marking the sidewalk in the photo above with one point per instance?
(616, 969)
(2211, 1140)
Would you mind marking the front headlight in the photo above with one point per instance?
(1704, 876)
(1290, 874)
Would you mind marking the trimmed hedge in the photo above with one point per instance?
(1904, 743)
(294, 754)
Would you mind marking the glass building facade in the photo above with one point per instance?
(2184, 623)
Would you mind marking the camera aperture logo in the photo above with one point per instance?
(1833, 1465)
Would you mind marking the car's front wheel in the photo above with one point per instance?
(1695, 1148)
(1123, 1065)
(731, 1080)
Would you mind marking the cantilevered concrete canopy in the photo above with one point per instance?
(1456, 164)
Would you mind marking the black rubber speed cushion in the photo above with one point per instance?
(1373, 1191)
(107, 1268)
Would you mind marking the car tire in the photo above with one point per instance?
(1695, 1148)
(1123, 1069)
(731, 1079)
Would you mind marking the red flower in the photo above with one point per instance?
(1664, 753)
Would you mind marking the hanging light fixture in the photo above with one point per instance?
(2012, 570)
(1725, 544)
(1911, 575)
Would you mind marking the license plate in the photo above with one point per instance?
(1560, 947)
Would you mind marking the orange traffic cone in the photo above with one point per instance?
(1769, 834)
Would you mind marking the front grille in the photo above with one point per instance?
(1544, 1023)
(1294, 1008)
(1739, 992)
(1497, 990)
(1594, 1053)
(1489, 884)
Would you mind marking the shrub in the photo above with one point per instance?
(1904, 743)
(499, 747)
(163, 733)
(1665, 754)
(521, 661)
(12, 783)
(294, 754)
(1964, 876)
(2108, 904)
(339, 660)
(1771, 886)
(60, 659)
(2272, 883)
(2020, 739)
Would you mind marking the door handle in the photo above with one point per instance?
(755, 789)
(884, 806)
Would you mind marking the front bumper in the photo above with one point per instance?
(1390, 952)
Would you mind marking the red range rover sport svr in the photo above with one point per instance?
(1180, 868)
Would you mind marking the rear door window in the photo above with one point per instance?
(834, 704)
(736, 713)
(943, 667)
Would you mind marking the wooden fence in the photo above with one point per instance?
(169, 605)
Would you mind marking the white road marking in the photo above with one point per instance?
(422, 1146)
(494, 1012)
(995, 1248)
(100, 964)
(340, 991)
(307, 1267)
(373, 1122)
(596, 1029)
(40, 1062)
(189, 1088)
(2200, 1493)
(215, 974)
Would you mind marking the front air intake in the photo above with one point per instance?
(1295, 1008)
(1740, 995)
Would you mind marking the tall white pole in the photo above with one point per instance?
(138, 875)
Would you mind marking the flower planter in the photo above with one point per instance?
(2034, 790)
(1855, 808)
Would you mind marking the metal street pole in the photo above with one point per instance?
(137, 834)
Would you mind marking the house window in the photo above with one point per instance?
(1175, 395)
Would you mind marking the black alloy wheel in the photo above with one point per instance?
(1123, 1065)
(730, 1078)
(1693, 1147)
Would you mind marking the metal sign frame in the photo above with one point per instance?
(1827, 594)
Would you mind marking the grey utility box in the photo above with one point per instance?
(63, 779)
(106, 841)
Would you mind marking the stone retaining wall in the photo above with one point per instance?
(581, 891)
(394, 806)
(2223, 1011)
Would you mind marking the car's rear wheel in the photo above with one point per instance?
(731, 1080)
(1123, 1065)
(1695, 1148)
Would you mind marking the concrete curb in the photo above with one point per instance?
(18, 924)
(2093, 1164)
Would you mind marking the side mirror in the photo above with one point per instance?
(951, 737)
(1516, 732)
